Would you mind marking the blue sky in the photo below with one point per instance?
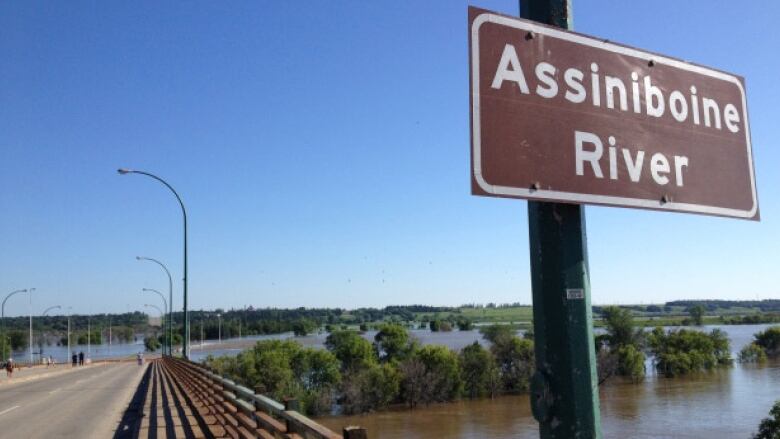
(322, 150)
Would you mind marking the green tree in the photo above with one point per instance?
(151, 344)
(697, 314)
(371, 388)
(464, 324)
(493, 333)
(351, 349)
(683, 351)
(434, 325)
(431, 374)
(631, 362)
(515, 359)
(392, 342)
(317, 374)
(769, 340)
(477, 365)
(303, 327)
(620, 327)
(770, 427)
(752, 353)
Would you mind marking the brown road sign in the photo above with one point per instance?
(560, 116)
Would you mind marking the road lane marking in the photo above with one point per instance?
(55, 390)
(10, 409)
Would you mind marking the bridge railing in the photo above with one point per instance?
(243, 413)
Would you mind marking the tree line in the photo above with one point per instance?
(357, 375)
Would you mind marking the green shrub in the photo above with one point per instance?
(683, 351)
(752, 353)
(770, 427)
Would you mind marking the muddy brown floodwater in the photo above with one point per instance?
(727, 403)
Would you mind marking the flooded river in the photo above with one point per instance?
(727, 403)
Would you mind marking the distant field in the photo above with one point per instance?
(485, 315)
(524, 314)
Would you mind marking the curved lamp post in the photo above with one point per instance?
(170, 300)
(186, 338)
(167, 329)
(2, 313)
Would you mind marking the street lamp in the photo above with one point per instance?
(165, 306)
(43, 314)
(186, 340)
(170, 297)
(2, 314)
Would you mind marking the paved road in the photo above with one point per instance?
(83, 403)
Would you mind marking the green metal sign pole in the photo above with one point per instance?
(564, 389)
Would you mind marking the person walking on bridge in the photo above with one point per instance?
(81, 358)
(74, 358)
(9, 368)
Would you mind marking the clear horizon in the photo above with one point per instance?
(322, 152)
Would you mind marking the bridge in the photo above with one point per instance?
(163, 398)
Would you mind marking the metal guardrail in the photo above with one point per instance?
(243, 413)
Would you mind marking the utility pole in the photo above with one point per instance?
(201, 333)
(564, 388)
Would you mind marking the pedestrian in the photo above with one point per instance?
(9, 368)
(51, 360)
(81, 358)
(75, 359)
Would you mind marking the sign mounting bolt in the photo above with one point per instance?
(535, 186)
(651, 63)
(666, 199)
(529, 35)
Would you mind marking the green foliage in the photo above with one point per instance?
(752, 353)
(353, 351)
(479, 371)
(434, 325)
(152, 344)
(442, 365)
(464, 324)
(285, 369)
(697, 314)
(93, 337)
(392, 342)
(303, 327)
(514, 357)
(621, 328)
(371, 388)
(684, 351)
(769, 340)
(631, 362)
(495, 332)
(770, 427)
(431, 374)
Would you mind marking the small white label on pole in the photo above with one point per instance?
(575, 293)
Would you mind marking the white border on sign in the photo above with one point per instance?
(592, 198)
